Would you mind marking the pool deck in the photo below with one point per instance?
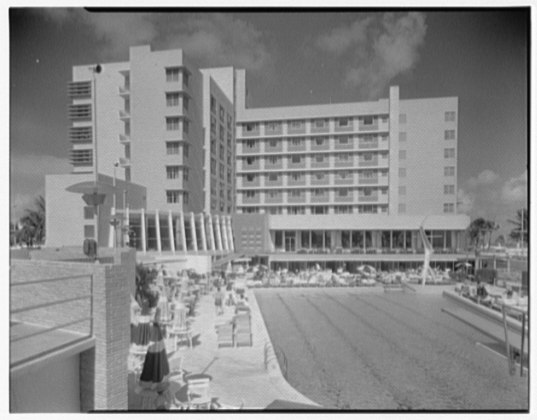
(247, 377)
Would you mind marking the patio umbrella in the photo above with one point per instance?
(291, 405)
(156, 365)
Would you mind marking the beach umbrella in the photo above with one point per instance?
(291, 405)
(156, 365)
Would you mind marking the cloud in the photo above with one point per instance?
(214, 39)
(380, 50)
(465, 201)
(487, 177)
(516, 189)
(219, 39)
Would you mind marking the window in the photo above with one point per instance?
(172, 99)
(449, 116)
(213, 125)
(320, 123)
(319, 141)
(185, 197)
(250, 178)
(296, 193)
(250, 160)
(402, 136)
(343, 174)
(368, 174)
(449, 135)
(342, 209)
(402, 172)
(88, 212)
(296, 159)
(229, 139)
(185, 103)
(367, 120)
(250, 144)
(273, 143)
(172, 123)
(250, 194)
(127, 151)
(172, 172)
(449, 153)
(402, 190)
(449, 171)
(222, 152)
(296, 141)
(367, 192)
(172, 196)
(213, 104)
(273, 126)
(343, 157)
(185, 150)
(295, 210)
(185, 78)
(319, 158)
(127, 174)
(343, 140)
(185, 174)
(319, 210)
(249, 127)
(343, 122)
(319, 175)
(296, 125)
(274, 160)
(368, 156)
(229, 157)
(318, 192)
(402, 154)
(342, 192)
(449, 207)
(449, 189)
(172, 147)
(402, 118)
(185, 126)
(273, 177)
(229, 180)
(172, 74)
(229, 122)
(213, 165)
(222, 113)
(402, 208)
(89, 231)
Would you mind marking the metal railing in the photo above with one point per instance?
(513, 356)
(44, 324)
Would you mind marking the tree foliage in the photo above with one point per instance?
(32, 231)
(146, 295)
(521, 230)
(480, 232)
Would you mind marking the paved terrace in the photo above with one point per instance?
(241, 376)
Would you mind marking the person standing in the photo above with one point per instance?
(219, 302)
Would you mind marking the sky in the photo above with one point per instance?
(295, 58)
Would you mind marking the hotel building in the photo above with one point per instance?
(350, 182)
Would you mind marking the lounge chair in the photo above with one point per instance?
(198, 393)
(243, 330)
(180, 327)
(224, 335)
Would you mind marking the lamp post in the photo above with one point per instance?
(94, 71)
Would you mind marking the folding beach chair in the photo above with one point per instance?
(243, 330)
(180, 328)
(198, 393)
(224, 335)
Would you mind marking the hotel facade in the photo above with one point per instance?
(350, 182)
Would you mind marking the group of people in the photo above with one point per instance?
(230, 298)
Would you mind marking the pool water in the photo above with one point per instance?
(353, 349)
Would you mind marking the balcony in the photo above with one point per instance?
(82, 157)
(124, 162)
(297, 199)
(124, 114)
(81, 134)
(124, 139)
(80, 112)
(79, 90)
(320, 198)
(372, 198)
(273, 198)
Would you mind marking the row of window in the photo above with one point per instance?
(173, 124)
(362, 209)
(174, 196)
(342, 157)
(174, 172)
(297, 176)
(340, 192)
(172, 148)
(317, 140)
(222, 113)
(172, 99)
(448, 135)
(172, 74)
(276, 126)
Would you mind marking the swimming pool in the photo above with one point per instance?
(364, 350)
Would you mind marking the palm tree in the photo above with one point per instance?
(491, 226)
(476, 232)
(521, 229)
(32, 229)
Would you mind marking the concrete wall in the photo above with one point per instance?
(251, 233)
(103, 369)
(425, 162)
(55, 388)
(65, 210)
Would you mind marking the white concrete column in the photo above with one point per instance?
(182, 230)
(203, 236)
(112, 231)
(218, 235)
(194, 235)
(157, 229)
(170, 231)
(230, 235)
(142, 228)
(211, 232)
(126, 222)
(224, 232)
